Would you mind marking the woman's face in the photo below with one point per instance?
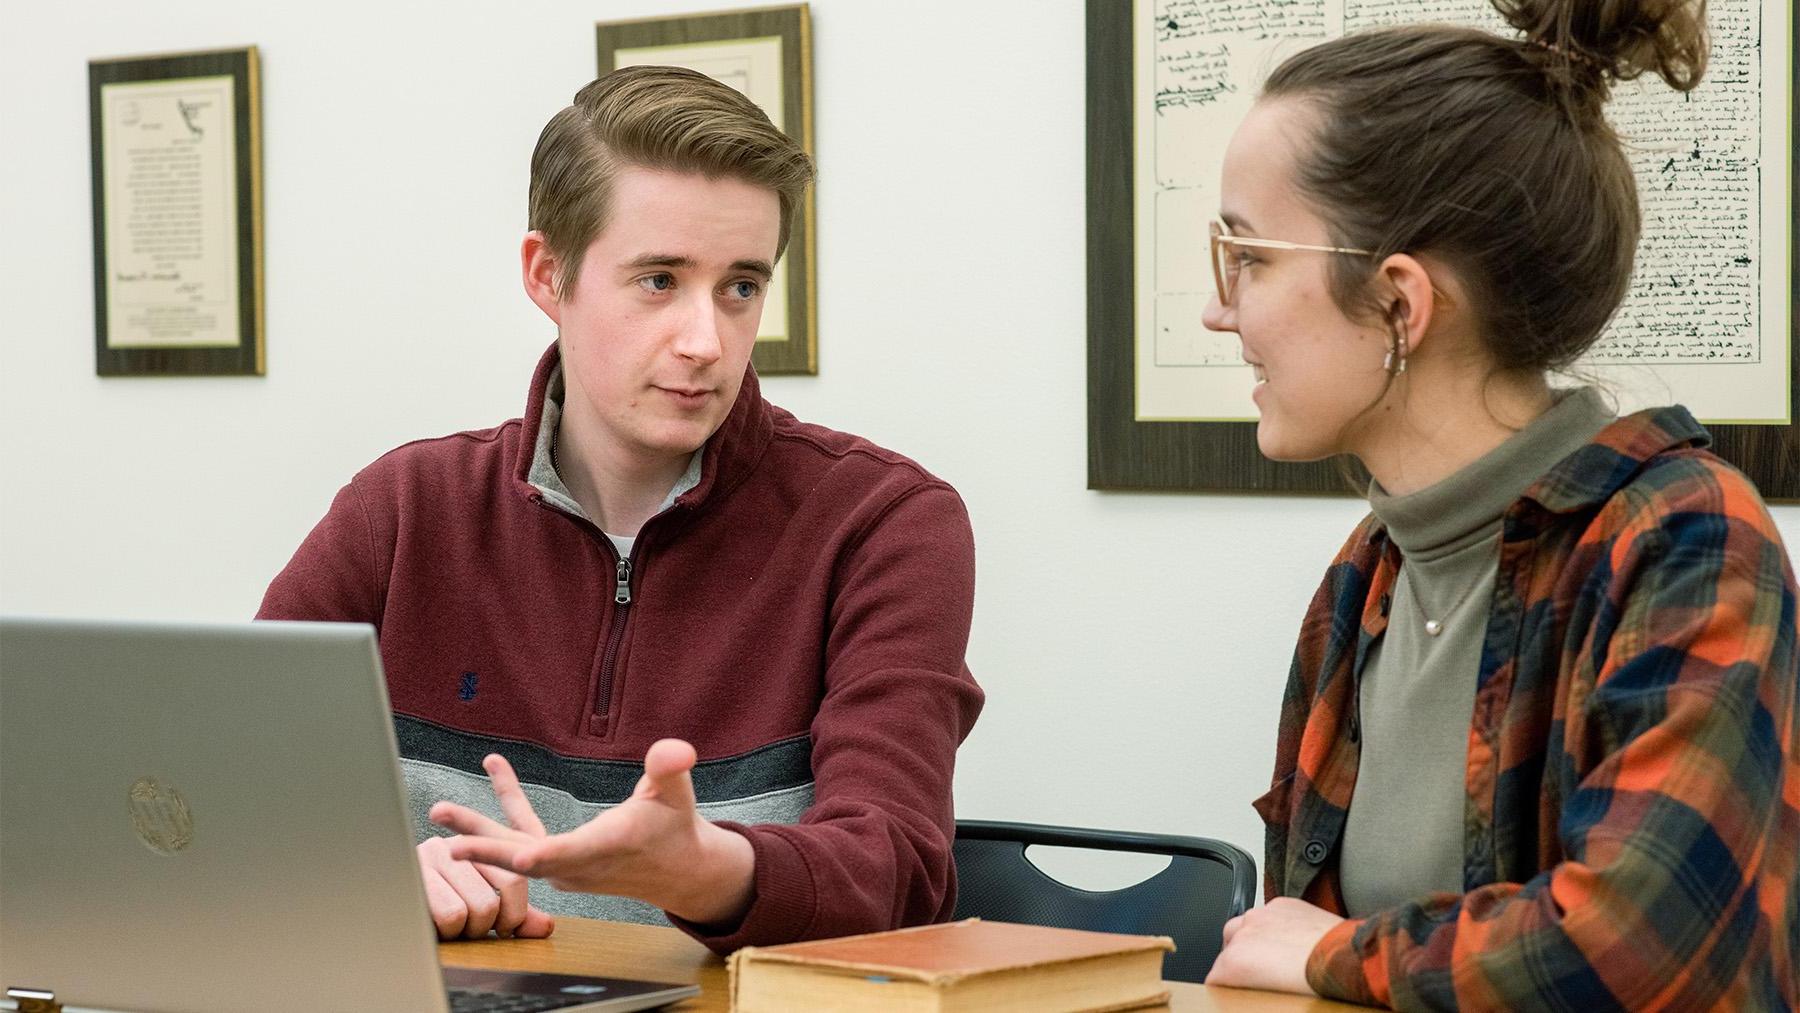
(1317, 371)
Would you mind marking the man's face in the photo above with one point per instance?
(657, 328)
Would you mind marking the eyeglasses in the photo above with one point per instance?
(1225, 263)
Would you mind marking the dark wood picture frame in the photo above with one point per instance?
(1124, 453)
(798, 353)
(247, 357)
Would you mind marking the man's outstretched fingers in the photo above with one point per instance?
(668, 767)
(464, 820)
(510, 855)
(512, 798)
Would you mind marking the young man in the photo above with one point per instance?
(705, 657)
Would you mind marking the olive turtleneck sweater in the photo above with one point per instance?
(1403, 837)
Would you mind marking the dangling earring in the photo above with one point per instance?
(1395, 363)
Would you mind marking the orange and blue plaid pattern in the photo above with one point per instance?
(1632, 828)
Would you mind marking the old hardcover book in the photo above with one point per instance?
(966, 965)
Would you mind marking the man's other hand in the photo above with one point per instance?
(468, 900)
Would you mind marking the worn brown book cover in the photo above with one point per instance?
(965, 965)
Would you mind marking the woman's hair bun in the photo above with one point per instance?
(1617, 40)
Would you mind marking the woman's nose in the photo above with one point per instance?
(1218, 316)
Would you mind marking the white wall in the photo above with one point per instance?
(1133, 647)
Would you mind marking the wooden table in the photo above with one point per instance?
(612, 949)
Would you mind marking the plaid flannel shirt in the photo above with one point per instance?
(1632, 826)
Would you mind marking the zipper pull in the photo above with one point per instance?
(622, 585)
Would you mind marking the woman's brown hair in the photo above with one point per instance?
(1495, 156)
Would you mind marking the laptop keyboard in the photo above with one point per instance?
(465, 1000)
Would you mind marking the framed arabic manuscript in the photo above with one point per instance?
(1708, 323)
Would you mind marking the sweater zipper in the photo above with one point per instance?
(621, 611)
(622, 599)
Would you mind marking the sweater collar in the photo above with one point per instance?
(1468, 505)
(731, 454)
(1591, 475)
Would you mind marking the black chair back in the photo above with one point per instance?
(1207, 883)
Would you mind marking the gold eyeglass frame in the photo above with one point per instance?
(1219, 236)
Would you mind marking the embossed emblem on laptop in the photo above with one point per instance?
(160, 816)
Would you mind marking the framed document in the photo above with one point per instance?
(1709, 320)
(766, 53)
(176, 143)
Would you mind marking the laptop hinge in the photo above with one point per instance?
(34, 1000)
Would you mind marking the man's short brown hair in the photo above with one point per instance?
(665, 118)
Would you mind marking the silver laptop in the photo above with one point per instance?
(210, 817)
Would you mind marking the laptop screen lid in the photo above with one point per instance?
(197, 816)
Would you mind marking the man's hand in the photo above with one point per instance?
(467, 900)
(654, 846)
(1267, 947)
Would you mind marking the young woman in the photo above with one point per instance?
(1538, 747)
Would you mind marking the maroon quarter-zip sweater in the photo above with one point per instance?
(800, 615)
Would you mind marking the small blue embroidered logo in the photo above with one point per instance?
(467, 692)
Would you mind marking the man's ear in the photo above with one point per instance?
(540, 268)
(1408, 299)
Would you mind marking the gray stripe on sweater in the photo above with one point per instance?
(560, 811)
(778, 765)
